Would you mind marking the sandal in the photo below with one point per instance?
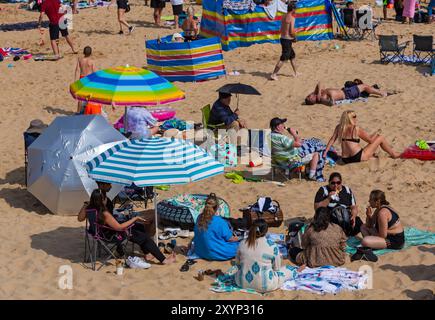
(169, 248)
(185, 267)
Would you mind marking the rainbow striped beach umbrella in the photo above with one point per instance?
(125, 86)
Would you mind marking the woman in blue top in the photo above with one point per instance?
(214, 238)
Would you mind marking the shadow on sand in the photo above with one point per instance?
(15, 176)
(20, 198)
(415, 273)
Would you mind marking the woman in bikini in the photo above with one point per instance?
(383, 229)
(190, 26)
(350, 136)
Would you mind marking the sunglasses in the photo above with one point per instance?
(335, 183)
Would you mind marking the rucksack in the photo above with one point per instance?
(341, 216)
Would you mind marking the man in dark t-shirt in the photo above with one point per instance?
(58, 23)
(335, 194)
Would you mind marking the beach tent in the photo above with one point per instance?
(197, 60)
(239, 23)
(314, 20)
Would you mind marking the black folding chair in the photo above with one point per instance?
(28, 140)
(423, 49)
(390, 50)
(100, 238)
(365, 24)
(349, 22)
(137, 196)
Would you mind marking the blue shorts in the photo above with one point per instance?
(351, 92)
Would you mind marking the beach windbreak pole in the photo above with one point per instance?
(154, 161)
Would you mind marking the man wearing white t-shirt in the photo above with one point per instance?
(177, 9)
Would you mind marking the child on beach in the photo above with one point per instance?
(85, 66)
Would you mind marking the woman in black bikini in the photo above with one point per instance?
(350, 136)
(383, 229)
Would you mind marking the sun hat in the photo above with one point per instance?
(36, 126)
(177, 35)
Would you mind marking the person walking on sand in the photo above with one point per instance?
(85, 66)
(58, 23)
(288, 35)
(158, 6)
(123, 7)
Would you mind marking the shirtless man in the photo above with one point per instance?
(329, 95)
(288, 35)
(84, 67)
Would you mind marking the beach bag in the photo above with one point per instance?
(225, 154)
(295, 231)
(265, 208)
(340, 215)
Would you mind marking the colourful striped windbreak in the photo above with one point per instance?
(154, 161)
(125, 86)
(313, 20)
(197, 60)
(238, 28)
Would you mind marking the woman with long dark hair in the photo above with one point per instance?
(259, 261)
(323, 243)
(383, 229)
(214, 239)
(98, 202)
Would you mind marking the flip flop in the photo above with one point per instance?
(185, 267)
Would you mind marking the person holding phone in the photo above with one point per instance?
(337, 194)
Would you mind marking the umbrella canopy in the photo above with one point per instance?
(125, 86)
(56, 161)
(154, 161)
(239, 88)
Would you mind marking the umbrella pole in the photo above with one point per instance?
(125, 120)
(156, 237)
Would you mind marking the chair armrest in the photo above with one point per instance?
(214, 126)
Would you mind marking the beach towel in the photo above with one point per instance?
(347, 101)
(326, 279)
(8, 52)
(274, 7)
(279, 240)
(239, 5)
(310, 146)
(413, 237)
(408, 59)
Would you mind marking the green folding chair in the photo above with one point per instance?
(205, 119)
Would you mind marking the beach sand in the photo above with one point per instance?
(34, 244)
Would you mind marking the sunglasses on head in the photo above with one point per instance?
(335, 183)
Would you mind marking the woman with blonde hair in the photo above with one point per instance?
(190, 26)
(214, 238)
(350, 136)
(383, 229)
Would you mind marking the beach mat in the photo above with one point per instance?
(348, 101)
(413, 237)
(45, 57)
(321, 280)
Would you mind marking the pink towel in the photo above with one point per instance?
(409, 8)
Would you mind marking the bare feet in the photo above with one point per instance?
(149, 257)
(170, 259)
(273, 77)
(301, 268)
(297, 74)
(396, 155)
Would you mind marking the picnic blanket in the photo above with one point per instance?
(408, 59)
(321, 280)
(348, 101)
(8, 52)
(413, 237)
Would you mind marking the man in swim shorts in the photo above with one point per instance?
(288, 36)
(328, 96)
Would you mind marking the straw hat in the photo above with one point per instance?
(36, 126)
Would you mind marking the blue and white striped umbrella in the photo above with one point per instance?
(154, 161)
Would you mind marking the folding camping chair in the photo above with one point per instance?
(423, 49)
(287, 170)
(96, 240)
(207, 126)
(349, 21)
(365, 23)
(390, 49)
(135, 195)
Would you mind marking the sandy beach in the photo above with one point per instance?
(34, 243)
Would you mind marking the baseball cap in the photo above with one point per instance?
(276, 122)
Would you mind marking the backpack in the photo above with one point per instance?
(340, 215)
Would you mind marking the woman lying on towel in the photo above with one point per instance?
(214, 239)
(323, 243)
(256, 254)
(383, 229)
(100, 202)
(350, 136)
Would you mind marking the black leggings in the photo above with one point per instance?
(293, 252)
(147, 245)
